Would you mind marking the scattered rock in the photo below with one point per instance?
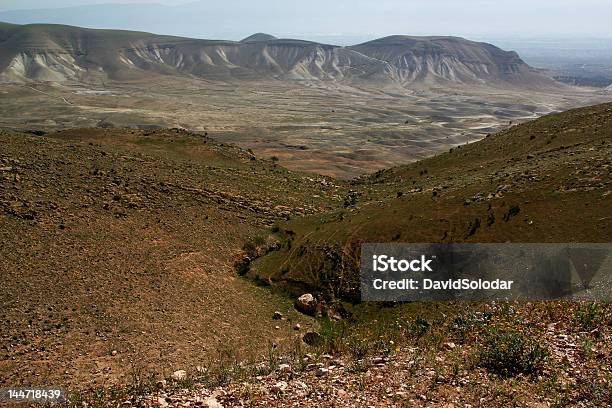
(297, 326)
(321, 371)
(277, 315)
(179, 375)
(212, 403)
(280, 386)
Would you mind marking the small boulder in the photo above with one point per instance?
(277, 315)
(306, 304)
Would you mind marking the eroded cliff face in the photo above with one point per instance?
(430, 59)
(62, 53)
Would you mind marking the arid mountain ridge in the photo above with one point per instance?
(57, 53)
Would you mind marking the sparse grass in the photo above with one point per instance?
(466, 324)
(509, 352)
(588, 316)
(498, 339)
(586, 347)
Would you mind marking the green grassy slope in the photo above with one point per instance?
(544, 181)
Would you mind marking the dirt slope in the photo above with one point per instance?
(121, 240)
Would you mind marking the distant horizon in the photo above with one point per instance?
(346, 39)
(480, 20)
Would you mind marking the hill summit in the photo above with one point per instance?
(257, 37)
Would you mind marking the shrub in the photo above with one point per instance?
(465, 325)
(588, 316)
(511, 352)
(257, 246)
(359, 348)
(419, 327)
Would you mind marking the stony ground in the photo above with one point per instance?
(442, 366)
(121, 249)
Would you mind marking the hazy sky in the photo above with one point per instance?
(232, 19)
(38, 4)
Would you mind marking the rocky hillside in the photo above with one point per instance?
(62, 53)
(118, 249)
(122, 253)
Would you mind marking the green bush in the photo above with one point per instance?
(256, 247)
(588, 316)
(419, 327)
(511, 352)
